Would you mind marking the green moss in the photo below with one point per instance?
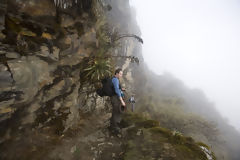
(206, 146)
(132, 151)
(189, 139)
(183, 150)
(197, 151)
(129, 119)
(162, 131)
(133, 154)
(213, 156)
(155, 141)
(177, 139)
(148, 124)
(203, 144)
(132, 132)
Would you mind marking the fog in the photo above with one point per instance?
(199, 43)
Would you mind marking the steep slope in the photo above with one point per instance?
(167, 99)
(53, 54)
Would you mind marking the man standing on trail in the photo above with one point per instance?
(116, 101)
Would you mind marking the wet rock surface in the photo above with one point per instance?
(40, 66)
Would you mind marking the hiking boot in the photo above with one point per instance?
(115, 130)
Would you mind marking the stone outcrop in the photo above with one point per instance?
(39, 70)
(43, 46)
(42, 50)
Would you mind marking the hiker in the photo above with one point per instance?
(116, 101)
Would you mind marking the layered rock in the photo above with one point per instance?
(40, 66)
(41, 58)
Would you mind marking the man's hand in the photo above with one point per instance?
(123, 103)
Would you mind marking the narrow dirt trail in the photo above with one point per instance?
(91, 141)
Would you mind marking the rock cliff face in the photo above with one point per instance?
(43, 47)
(41, 58)
(40, 80)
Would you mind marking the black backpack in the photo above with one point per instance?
(107, 88)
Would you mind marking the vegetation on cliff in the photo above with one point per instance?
(146, 139)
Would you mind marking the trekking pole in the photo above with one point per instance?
(132, 101)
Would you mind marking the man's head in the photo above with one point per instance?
(118, 73)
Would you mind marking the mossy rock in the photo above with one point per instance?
(129, 119)
(208, 148)
(162, 131)
(26, 32)
(146, 140)
(203, 144)
(148, 124)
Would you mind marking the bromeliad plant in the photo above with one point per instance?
(97, 68)
(100, 65)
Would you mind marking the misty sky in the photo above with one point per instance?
(198, 41)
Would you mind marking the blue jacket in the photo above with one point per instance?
(117, 90)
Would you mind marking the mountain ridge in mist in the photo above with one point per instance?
(167, 99)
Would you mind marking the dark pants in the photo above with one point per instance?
(116, 113)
